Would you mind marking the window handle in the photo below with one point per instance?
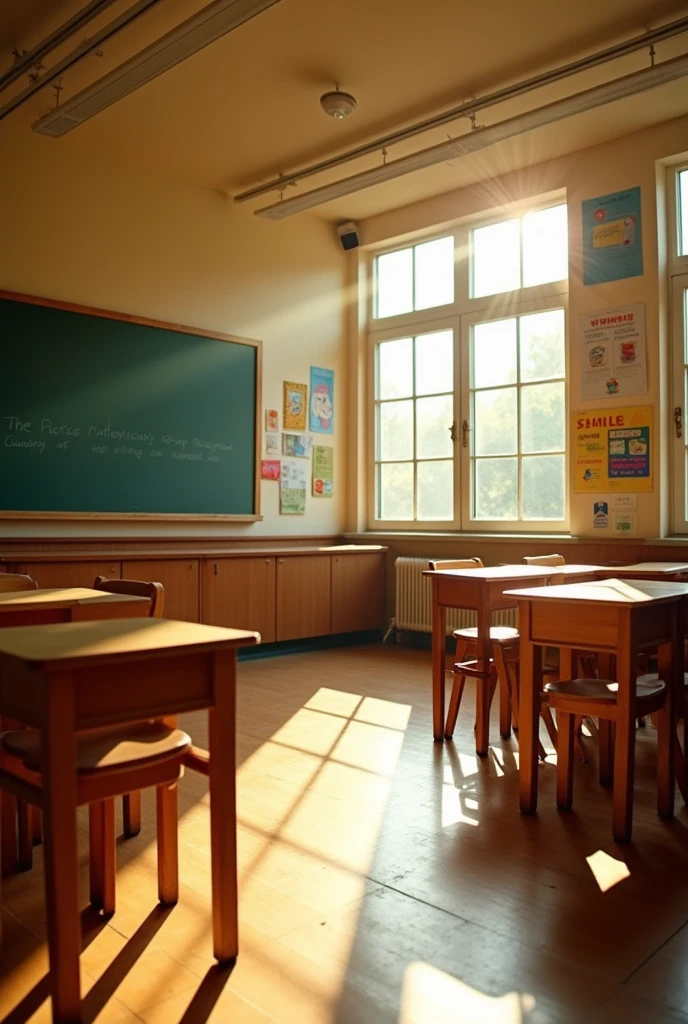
(452, 432)
(678, 420)
(465, 431)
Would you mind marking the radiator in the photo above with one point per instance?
(413, 603)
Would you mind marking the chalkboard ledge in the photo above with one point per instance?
(134, 517)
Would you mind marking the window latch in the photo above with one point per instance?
(678, 421)
(465, 431)
(452, 432)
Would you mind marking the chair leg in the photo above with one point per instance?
(168, 860)
(36, 825)
(551, 728)
(25, 836)
(606, 734)
(484, 693)
(566, 733)
(505, 712)
(8, 833)
(131, 814)
(101, 834)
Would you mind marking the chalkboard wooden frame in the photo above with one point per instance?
(198, 332)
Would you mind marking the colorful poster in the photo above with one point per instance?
(612, 449)
(323, 471)
(297, 445)
(272, 444)
(612, 237)
(625, 522)
(322, 401)
(600, 515)
(270, 469)
(293, 488)
(271, 420)
(295, 400)
(612, 350)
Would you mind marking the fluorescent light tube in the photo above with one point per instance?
(609, 92)
(209, 24)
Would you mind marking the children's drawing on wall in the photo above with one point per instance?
(270, 469)
(271, 420)
(322, 400)
(297, 445)
(293, 488)
(323, 471)
(295, 406)
(272, 444)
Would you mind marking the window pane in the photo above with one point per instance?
(542, 418)
(435, 499)
(545, 246)
(434, 281)
(495, 422)
(543, 487)
(395, 490)
(434, 417)
(396, 430)
(543, 347)
(395, 369)
(493, 353)
(435, 363)
(496, 258)
(496, 489)
(683, 212)
(394, 283)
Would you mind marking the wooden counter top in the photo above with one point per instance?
(136, 554)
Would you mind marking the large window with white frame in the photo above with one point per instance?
(677, 192)
(467, 337)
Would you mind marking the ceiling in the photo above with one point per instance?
(246, 108)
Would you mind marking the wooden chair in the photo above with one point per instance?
(592, 698)
(10, 581)
(109, 764)
(131, 802)
(503, 667)
(544, 560)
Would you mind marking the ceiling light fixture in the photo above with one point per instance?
(338, 104)
(578, 103)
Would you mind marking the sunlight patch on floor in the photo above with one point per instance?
(608, 871)
(431, 996)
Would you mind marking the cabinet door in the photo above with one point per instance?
(303, 596)
(358, 592)
(240, 593)
(68, 574)
(179, 577)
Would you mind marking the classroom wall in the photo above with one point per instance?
(85, 227)
(621, 163)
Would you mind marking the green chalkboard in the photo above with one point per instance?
(110, 415)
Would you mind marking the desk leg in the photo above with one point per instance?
(624, 743)
(529, 712)
(484, 684)
(670, 667)
(439, 625)
(222, 779)
(61, 859)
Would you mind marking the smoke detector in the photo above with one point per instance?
(338, 104)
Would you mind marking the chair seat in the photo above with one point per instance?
(114, 750)
(601, 690)
(652, 677)
(498, 634)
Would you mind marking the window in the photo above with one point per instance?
(678, 268)
(682, 186)
(468, 396)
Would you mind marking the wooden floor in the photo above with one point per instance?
(383, 878)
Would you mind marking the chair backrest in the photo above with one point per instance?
(155, 592)
(544, 560)
(10, 581)
(455, 563)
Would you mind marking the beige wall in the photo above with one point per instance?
(616, 165)
(87, 228)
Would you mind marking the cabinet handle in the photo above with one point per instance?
(280, 561)
(192, 565)
(216, 569)
(267, 561)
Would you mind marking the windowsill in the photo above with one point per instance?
(385, 536)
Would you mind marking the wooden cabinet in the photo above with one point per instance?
(303, 596)
(358, 592)
(240, 592)
(179, 577)
(68, 574)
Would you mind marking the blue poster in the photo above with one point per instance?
(629, 453)
(321, 417)
(612, 237)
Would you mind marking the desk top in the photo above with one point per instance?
(616, 592)
(63, 597)
(647, 568)
(499, 572)
(80, 644)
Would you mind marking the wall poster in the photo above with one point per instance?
(293, 488)
(612, 237)
(612, 352)
(612, 449)
(323, 471)
(295, 406)
(321, 420)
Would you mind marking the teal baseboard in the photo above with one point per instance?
(316, 643)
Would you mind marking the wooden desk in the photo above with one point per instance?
(647, 571)
(619, 617)
(482, 591)
(65, 678)
(68, 604)
(577, 573)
